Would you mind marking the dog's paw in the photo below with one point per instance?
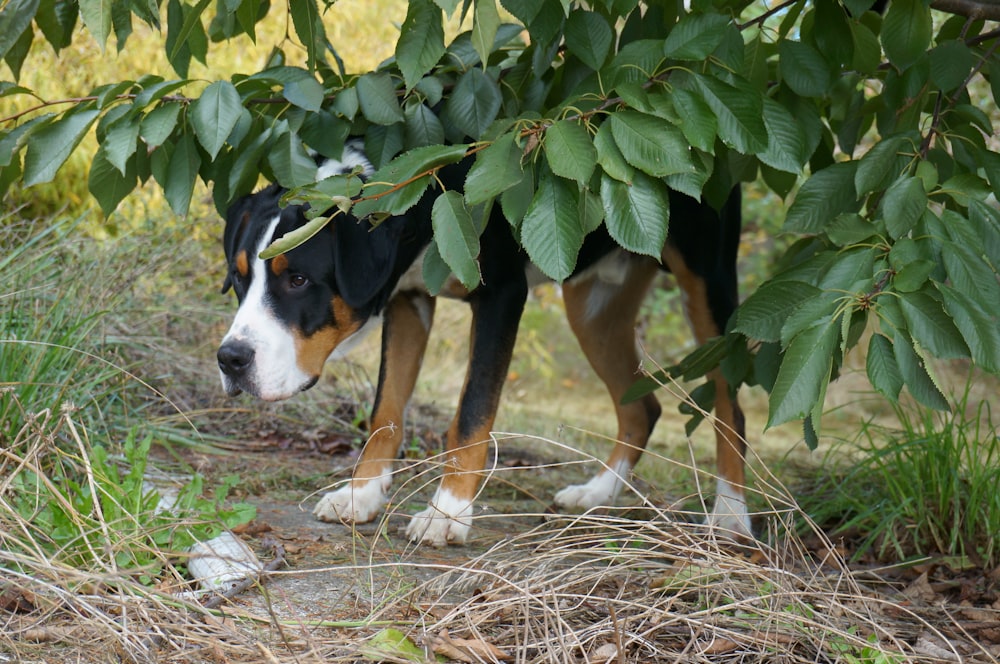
(729, 514)
(600, 491)
(351, 503)
(446, 521)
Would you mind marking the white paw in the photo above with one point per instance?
(729, 514)
(352, 503)
(446, 521)
(600, 491)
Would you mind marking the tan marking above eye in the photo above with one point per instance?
(242, 263)
(279, 264)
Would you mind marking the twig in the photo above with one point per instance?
(278, 561)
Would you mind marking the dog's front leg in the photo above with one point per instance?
(495, 318)
(405, 330)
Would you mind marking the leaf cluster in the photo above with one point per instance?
(878, 126)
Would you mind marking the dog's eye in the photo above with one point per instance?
(297, 280)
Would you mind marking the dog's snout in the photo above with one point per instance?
(235, 357)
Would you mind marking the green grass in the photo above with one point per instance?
(74, 447)
(926, 488)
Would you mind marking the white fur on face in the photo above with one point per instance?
(352, 157)
(274, 374)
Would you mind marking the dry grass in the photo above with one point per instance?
(613, 586)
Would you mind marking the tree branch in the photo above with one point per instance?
(976, 9)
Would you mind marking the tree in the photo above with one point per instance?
(578, 114)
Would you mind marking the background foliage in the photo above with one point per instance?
(877, 126)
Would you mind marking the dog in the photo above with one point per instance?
(317, 300)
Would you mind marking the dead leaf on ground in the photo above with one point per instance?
(16, 600)
(920, 590)
(467, 650)
(930, 646)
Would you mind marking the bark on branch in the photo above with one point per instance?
(977, 9)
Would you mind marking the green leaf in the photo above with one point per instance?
(56, 20)
(121, 141)
(457, 237)
(570, 151)
(951, 61)
(192, 24)
(824, 196)
(421, 41)
(159, 123)
(377, 97)
(805, 370)
(651, 144)
(392, 645)
(15, 17)
(906, 31)
(484, 28)
(764, 313)
(214, 114)
(867, 54)
(609, 156)
(850, 228)
(882, 164)
(474, 103)
(695, 36)
(309, 27)
(181, 174)
(304, 92)
(931, 327)
(699, 124)
(497, 169)
(883, 372)
(297, 237)
(244, 172)
(154, 89)
(902, 206)
(50, 146)
(986, 222)
(421, 127)
(915, 374)
(107, 184)
(970, 274)
(434, 270)
(740, 112)
(589, 37)
(385, 191)
(96, 15)
(292, 165)
(785, 144)
(804, 69)
(638, 214)
(913, 275)
(550, 231)
(979, 328)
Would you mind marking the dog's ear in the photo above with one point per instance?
(237, 220)
(365, 257)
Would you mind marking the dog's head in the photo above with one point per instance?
(298, 307)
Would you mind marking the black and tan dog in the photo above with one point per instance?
(301, 307)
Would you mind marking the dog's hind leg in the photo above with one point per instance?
(407, 325)
(602, 306)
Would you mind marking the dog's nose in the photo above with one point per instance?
(234, 358)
